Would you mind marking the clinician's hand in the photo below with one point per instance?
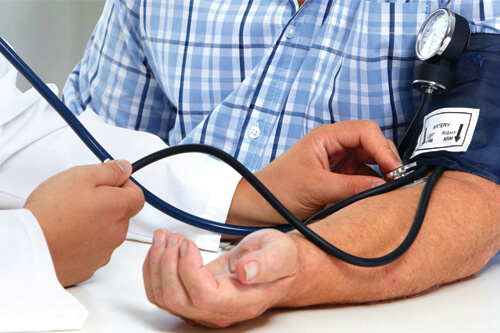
(240, 285)
(84, 213)
(325, 166)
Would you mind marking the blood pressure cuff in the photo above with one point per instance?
(462, 129)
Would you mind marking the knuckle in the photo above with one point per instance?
(137, 200)
(106, 259)
(218, 323)
(319, 128)
(119, 240)
(114, 240)
(122, 209)
(155, 255)
(151, 298)
(89, 273)
(172, 302)
(391, 144)
(132, 203)
(121, 213)
(112, 171)
(372, 124)
(158, 299)
(353, 186)
(200, 301)
(80, 172)
(138, 194)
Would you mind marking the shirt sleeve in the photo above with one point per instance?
(115, 78)
(32, 298)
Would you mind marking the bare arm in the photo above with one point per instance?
(267, 269)
(461, 232)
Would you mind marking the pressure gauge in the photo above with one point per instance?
(441, 40)
(443, 34)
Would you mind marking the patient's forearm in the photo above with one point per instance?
(460, 234)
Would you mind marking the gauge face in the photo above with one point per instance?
(433, 34)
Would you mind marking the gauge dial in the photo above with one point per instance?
(435, 34)
(441, 40)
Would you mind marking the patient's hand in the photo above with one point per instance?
(239, 285)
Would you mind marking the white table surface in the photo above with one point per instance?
(117, 302)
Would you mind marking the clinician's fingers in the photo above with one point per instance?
(336, 186)
(393, 147)
(111, 173)
(129, 195)
(344, 186)
(366, 156)
(353, 164)
(367, 134)
(381, 149)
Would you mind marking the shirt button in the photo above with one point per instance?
(254, 132)
(290, 32)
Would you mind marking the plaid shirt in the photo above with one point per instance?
(252, 77)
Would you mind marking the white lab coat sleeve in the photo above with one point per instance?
(31, 298)
(35, 144)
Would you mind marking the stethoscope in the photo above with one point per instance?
(440, 41)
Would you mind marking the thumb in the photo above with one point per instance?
(112, 173)
(344, 186)
(274, 260)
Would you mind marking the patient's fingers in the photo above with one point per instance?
(199, 282)
(150, 269)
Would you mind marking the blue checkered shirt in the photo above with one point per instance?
(253, 76)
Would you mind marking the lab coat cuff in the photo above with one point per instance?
(32, 297)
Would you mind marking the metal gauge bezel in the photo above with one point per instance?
(445, 41)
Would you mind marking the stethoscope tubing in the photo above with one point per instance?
(222, 228)
(98, 150)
